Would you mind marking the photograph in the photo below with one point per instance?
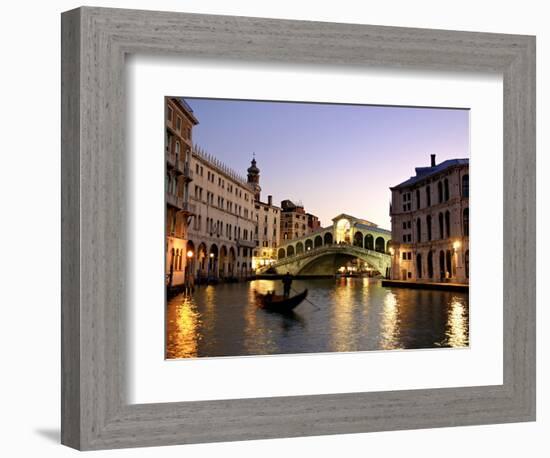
(299, 227)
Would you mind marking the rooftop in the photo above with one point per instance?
(185, 108)
(219, 166)
(425, 172)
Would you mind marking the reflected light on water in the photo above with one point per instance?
(257, 334)
(342, 316)
(182, 327)
(389, 331)
(210, 296)
(457, 324)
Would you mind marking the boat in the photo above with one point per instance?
(278, 303)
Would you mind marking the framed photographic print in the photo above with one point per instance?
(288, 228)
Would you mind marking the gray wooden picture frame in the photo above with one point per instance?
(95, 411)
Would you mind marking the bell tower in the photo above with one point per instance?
(254, 177)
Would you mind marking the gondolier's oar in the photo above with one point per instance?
(306, 299)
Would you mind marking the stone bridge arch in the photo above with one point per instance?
(323, 260)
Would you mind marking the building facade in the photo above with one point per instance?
(296, 222)
(178, 145)
(267, 233)
(313, 223)
(430, 224)
(223, 227)
(267, 222)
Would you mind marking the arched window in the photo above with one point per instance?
(428, 196)
(299, 248)
(439, 192)
(309, 244)
(281, 253)
(358, 239)
(429, 226)
(417, 199)
(441, 265)
(418, 230)
(466, 222)
(290, 251)
(467, 263)
(369, 242)
(430, 264)
(379, 245)
(446, 182)
(447, 224)
(177, 148)
(327, 239)
(466, 185)
(318, 241)
(449, 258)
(343, 231)
(418, 265)
(441, 234)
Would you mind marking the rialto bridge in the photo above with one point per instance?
(325, 251)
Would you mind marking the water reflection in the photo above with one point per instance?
(342, 314)
(183, 320)
(457, 325)
(389, 330)
(349, 314)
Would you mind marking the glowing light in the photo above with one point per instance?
(189, 254)
(456, 245)
(389, 326)
(457, 325)
(182, 322)
(392, 251)
(211, 255)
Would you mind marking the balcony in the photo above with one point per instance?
(186, 170)
(179, 165)
(246, 243)
(190, 209)
(174, 201)
(170, 159)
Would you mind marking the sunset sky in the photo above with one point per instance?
(333, 158)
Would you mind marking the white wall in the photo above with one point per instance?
(29, 256)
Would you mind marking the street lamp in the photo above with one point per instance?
(188, 270)
(210, 264)
(456, 246)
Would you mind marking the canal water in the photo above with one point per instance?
(342, 315)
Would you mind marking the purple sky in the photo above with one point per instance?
(334, 158)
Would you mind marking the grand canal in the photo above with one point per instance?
(342, 315)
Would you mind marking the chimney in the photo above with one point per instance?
(269, 200)
(432, 156)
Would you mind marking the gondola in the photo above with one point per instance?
(281, 304)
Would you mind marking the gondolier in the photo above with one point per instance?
(287, 284)
(281, 304)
